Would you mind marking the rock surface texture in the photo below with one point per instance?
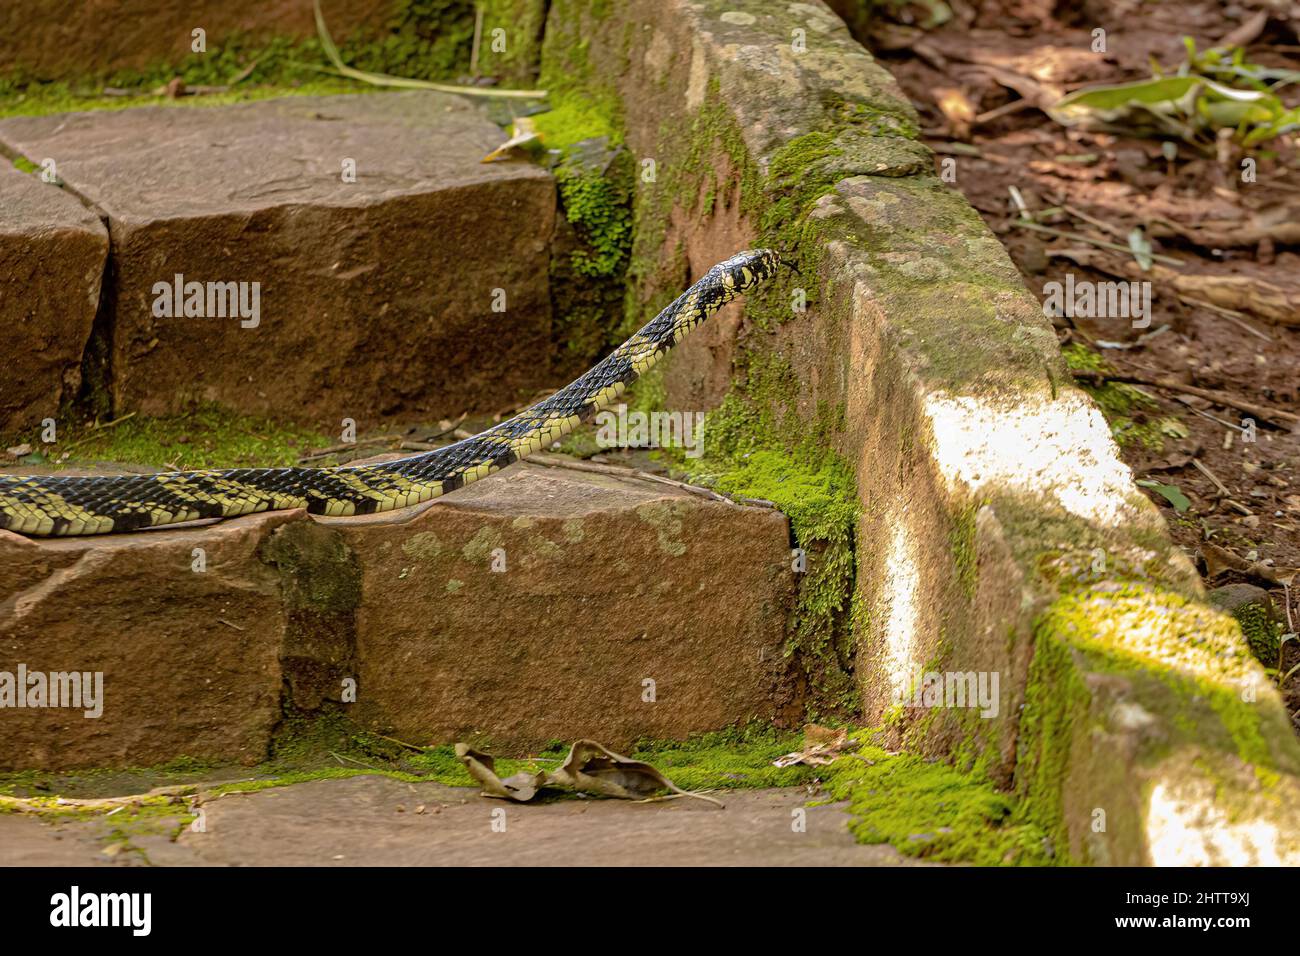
(338, 257)
(52, 253)
(543, 604)
(377, 821)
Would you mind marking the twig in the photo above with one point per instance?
(245, 73)
(344, 446)
(1092, 220)
(1006, 109)
(1079, 237)
(478, 38)
(1224, 493)
(1232, 315)
(383, 79)
(1204, 414)
(95, 428)
(1223, 489)
(402, 743)
(341, 757)
(1219, 398)
(1019, 200)
(37, 804)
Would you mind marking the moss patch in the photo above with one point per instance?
(1262, 632)
(736, 759)
(1128, 410)
(1184, 661)
(925, 808)
(207, 437)
(756, 446)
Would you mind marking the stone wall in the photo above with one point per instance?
(999, 531)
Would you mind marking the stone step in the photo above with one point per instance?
(374, 821)
(542, 604)
(420, 289)
(52, 253)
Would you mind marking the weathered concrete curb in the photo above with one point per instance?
(999, 531)
(545, 604)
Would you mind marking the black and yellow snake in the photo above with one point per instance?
(56, 506)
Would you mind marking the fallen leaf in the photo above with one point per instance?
(521, 788)
(592, 768)
(523, 134)
(1171, 494)
(821, 745)
(589, 768)
(1273, 300)
(957, 109)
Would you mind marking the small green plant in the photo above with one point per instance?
(1208, 92)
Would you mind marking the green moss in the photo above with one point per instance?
(1056, 702)
(207, 437)
(590, 252)
(926, 808)
(1124, 406)
(757, 446)
(822, 506)
(1262, 631)
(735, 759)
(1184, 661)
(599, 207)
(523, 22)
(964, 557)
(330, 746)
(320, 577)
(575, 116)
(45, 98)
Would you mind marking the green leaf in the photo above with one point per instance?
(1141, 248)
(1171, 494)
(1173, 428)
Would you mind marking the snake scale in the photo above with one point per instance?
(53, 506)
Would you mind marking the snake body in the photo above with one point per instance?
(55, 506)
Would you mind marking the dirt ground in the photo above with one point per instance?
(1225, 303)
(380, 821)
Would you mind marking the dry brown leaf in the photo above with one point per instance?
(1278, 223)
(1270, 300)
(521, 788)
(957, 109)
(593, 768)
(589, 768)
(1218, 560)
(821, 745)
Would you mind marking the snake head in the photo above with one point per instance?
(747, 269)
